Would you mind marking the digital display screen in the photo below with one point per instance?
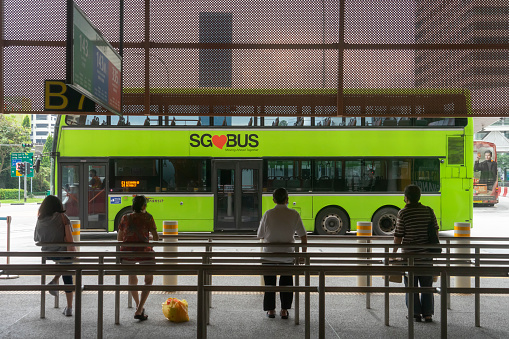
(129, 183)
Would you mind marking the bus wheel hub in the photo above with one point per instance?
(332, 224)
(387, 223)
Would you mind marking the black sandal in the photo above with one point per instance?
(271, 315)
(283, 314)
(142, 316)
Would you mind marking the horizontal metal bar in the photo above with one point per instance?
(276, 46)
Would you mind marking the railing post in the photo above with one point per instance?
(386, 294)
(477, 285)
(77, 314)
(321, 305)
(444, 295)
(100, 299)
(448, 264)
(297, 294)
(202, 326)
(411, 300)
(8, 219)
(307, 300)
(209, 282)
(43, 293)
(117, 293)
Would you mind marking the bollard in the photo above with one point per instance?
(76, 232)
(170, 227)
(462, 232)
(364, 229)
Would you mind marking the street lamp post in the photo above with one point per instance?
(161, 60)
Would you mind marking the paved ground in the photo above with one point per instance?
(239, 315)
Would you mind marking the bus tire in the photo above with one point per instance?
(331, 221)
(120, 214)
(384, 221)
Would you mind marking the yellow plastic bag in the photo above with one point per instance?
(175, 310)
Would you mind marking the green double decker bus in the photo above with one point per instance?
(217, 173)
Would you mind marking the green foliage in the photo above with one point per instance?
(40, 181)
(26, 122)
(46, 151)
(10, 194)
(502, 160)
(11, 132)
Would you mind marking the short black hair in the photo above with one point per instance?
(280, 195)
(94, 171)
(413, 193)
(488, 151)
(138, 202)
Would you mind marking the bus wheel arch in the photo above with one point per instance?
(120, 214)
(384, 220)
(332, 220)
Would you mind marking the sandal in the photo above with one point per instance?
(284, 314)
(417, 318)
(141, 316)
(271, 315)
(428, 319)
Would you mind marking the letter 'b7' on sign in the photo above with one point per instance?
(59, 97)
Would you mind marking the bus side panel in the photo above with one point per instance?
(194, 213)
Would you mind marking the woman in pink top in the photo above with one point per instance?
(136, 227)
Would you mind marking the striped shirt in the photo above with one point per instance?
(412, 226)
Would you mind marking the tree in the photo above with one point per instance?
(11, 132)
(26, 122)
(41, 180)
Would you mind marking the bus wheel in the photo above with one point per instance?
(123, 211)
(384, 221)
(331, 221)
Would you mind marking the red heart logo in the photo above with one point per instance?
(219, 141)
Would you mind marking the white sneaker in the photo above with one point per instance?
(67, 312)
(53, 292)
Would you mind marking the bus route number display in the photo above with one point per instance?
(129, 183)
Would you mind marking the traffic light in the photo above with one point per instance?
(28, 168)
(37, 165)
(27, 145)
(21, 168)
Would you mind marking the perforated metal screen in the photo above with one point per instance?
(287, 49)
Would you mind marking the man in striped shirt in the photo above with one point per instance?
(412, 228)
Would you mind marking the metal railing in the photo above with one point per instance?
(210, 262)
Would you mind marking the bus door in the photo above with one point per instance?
(237, 194)
(83, 193)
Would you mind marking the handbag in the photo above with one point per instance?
(432, 235)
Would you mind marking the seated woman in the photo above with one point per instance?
(136, 227)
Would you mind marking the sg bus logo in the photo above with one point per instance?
(224, 140)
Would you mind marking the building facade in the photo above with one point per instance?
(42, 126)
